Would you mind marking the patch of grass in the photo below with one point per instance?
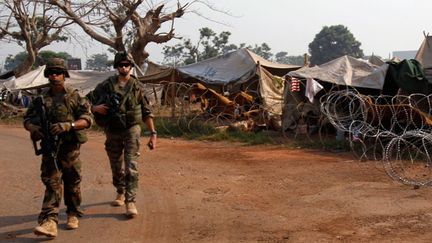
(250, 138)
(199, 130)
(168, 127)
(326, 145)
(15, 120)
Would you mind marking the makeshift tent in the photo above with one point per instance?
(424, 56)
(84, 81)
(344, 71)
(376, 60)
(240, 70)
(347, 71)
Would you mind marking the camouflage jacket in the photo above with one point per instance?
(71, 108)
(128, 106)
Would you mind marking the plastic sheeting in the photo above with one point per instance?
(348, 71)
(234, 67)
(84, 81)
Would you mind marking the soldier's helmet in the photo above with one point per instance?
(122, 56)
(56, 64)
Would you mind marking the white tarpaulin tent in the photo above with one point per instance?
(84, 81)
(346, 70)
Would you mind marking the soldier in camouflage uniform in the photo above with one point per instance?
(68, 113)
(119, 105)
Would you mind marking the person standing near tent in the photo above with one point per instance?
(119, 105)
(58, 117)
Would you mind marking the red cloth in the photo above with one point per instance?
(295, 85)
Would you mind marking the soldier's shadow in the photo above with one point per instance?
(114, 212)
(13, 220)
(19, 235)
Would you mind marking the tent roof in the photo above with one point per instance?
(376, 60)
(346, 70)
(424, 54)
(84, 81)
(232, 67)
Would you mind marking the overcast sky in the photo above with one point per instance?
(381, 26)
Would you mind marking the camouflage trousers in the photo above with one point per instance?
(122, 148)
(68, 174)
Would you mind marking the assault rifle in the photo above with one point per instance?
(49, 144)
(113, 101)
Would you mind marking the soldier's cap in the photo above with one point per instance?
(56, 64)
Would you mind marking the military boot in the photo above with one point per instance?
(72, 222)
(47, 228)
(119, 201)
(131, 209)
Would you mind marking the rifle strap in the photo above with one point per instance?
(126, 94)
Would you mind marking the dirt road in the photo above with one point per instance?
(220, 192)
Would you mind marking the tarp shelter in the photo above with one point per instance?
(240, 70)
(347, 71)
(376, 60)
(84, 81)
(344, 71)
(424, 56)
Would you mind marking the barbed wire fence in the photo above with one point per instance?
(394, 130)
(188, 104)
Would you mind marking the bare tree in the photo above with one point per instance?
(121, 24)
(32, 24)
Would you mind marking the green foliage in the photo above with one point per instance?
(182, 127)
(328, 144)
(45, 55)
(98, 62)
(333, 42)
(12, 62)
(210, 44)
(262, 50)
(250, 138)
(282, 57)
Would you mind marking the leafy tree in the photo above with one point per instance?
(210, 44)
(282, 57)
(32, 25)
(263, 50)
(333, 42)
(173, 55)
(98, 62)
(12, 62)
(45, 55)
